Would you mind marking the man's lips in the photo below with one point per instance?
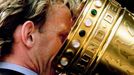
(63, 37)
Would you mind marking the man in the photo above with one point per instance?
(31, 33)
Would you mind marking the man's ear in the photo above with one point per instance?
(27, 33)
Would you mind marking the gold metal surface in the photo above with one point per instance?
(102, 35)
(119, 53)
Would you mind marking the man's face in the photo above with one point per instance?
(54, 31)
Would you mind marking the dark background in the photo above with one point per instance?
(129, 4)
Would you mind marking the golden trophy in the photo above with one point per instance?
(102, 40)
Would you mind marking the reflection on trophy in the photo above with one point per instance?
(100, 43)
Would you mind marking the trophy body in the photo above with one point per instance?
(101, 40)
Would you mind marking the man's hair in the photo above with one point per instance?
(16, 12)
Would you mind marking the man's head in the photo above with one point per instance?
(16, 12)
(32, 31)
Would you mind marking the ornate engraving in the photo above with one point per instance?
(123, 48)
(92, 46)
(113, 8)
(130, 27)
(109, 18)
(130, 73)
(100, 35)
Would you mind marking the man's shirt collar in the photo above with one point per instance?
(18, 68)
